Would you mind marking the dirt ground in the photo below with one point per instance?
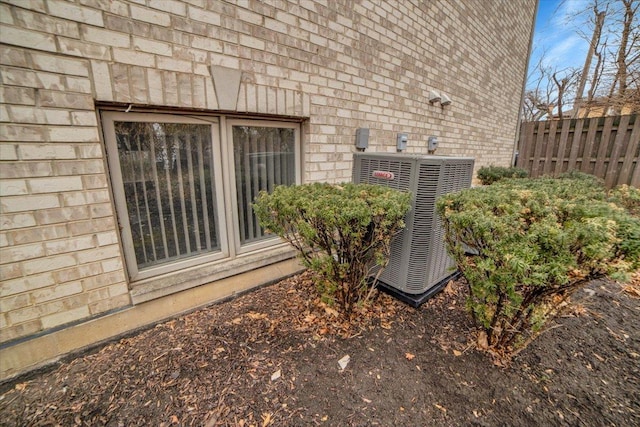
(271, 357)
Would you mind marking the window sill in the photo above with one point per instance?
(166, 284)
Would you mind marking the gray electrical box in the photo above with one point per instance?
(433, 143)
(362, 138)
(401, 143)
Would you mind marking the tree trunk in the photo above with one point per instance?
(595, 41)
(621, 59)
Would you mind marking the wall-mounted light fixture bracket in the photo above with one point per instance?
(434, 97)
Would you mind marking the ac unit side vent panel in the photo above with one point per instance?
(423, 226)
(418, 259)
(455, 177)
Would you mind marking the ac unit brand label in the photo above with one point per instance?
(383, 175)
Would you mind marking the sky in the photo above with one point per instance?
(557, 34)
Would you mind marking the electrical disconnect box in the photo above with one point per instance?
(362, 138)
(402, 141)
(432, 143)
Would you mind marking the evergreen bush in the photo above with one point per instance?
(526, 245)
(340, 232)
(490, 174)
(628, 197)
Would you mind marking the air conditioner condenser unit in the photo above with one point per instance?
(419, 265)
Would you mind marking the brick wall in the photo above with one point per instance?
(343, 64)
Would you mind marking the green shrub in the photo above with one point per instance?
(586, 178)
(627, 197)
(525, 246)
(340, 232)
(490, 174)
(570, 186)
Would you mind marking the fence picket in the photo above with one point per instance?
(547, 160)
(575, 144)
(538, 148)
(525, 152)
(610, 177)
(588, 147)
(564, 135)
(631, 154)
(603, 148)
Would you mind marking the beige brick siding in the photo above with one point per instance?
(341, 64)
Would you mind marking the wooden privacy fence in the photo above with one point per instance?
(607, 147)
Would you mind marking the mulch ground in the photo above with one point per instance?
(271, 357)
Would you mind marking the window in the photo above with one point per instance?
(264, 157)
(174, 179)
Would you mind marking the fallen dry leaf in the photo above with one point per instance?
(633, 290)
(449, 289)
(331, 311)
(256, 316)
(457, 353)
(442, 408)
(266, 419)
(483, 341)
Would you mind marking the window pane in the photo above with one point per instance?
(264, 158)
(167, 169)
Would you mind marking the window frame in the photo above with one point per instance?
(134, 272)
(225, 187)
(230, 123)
